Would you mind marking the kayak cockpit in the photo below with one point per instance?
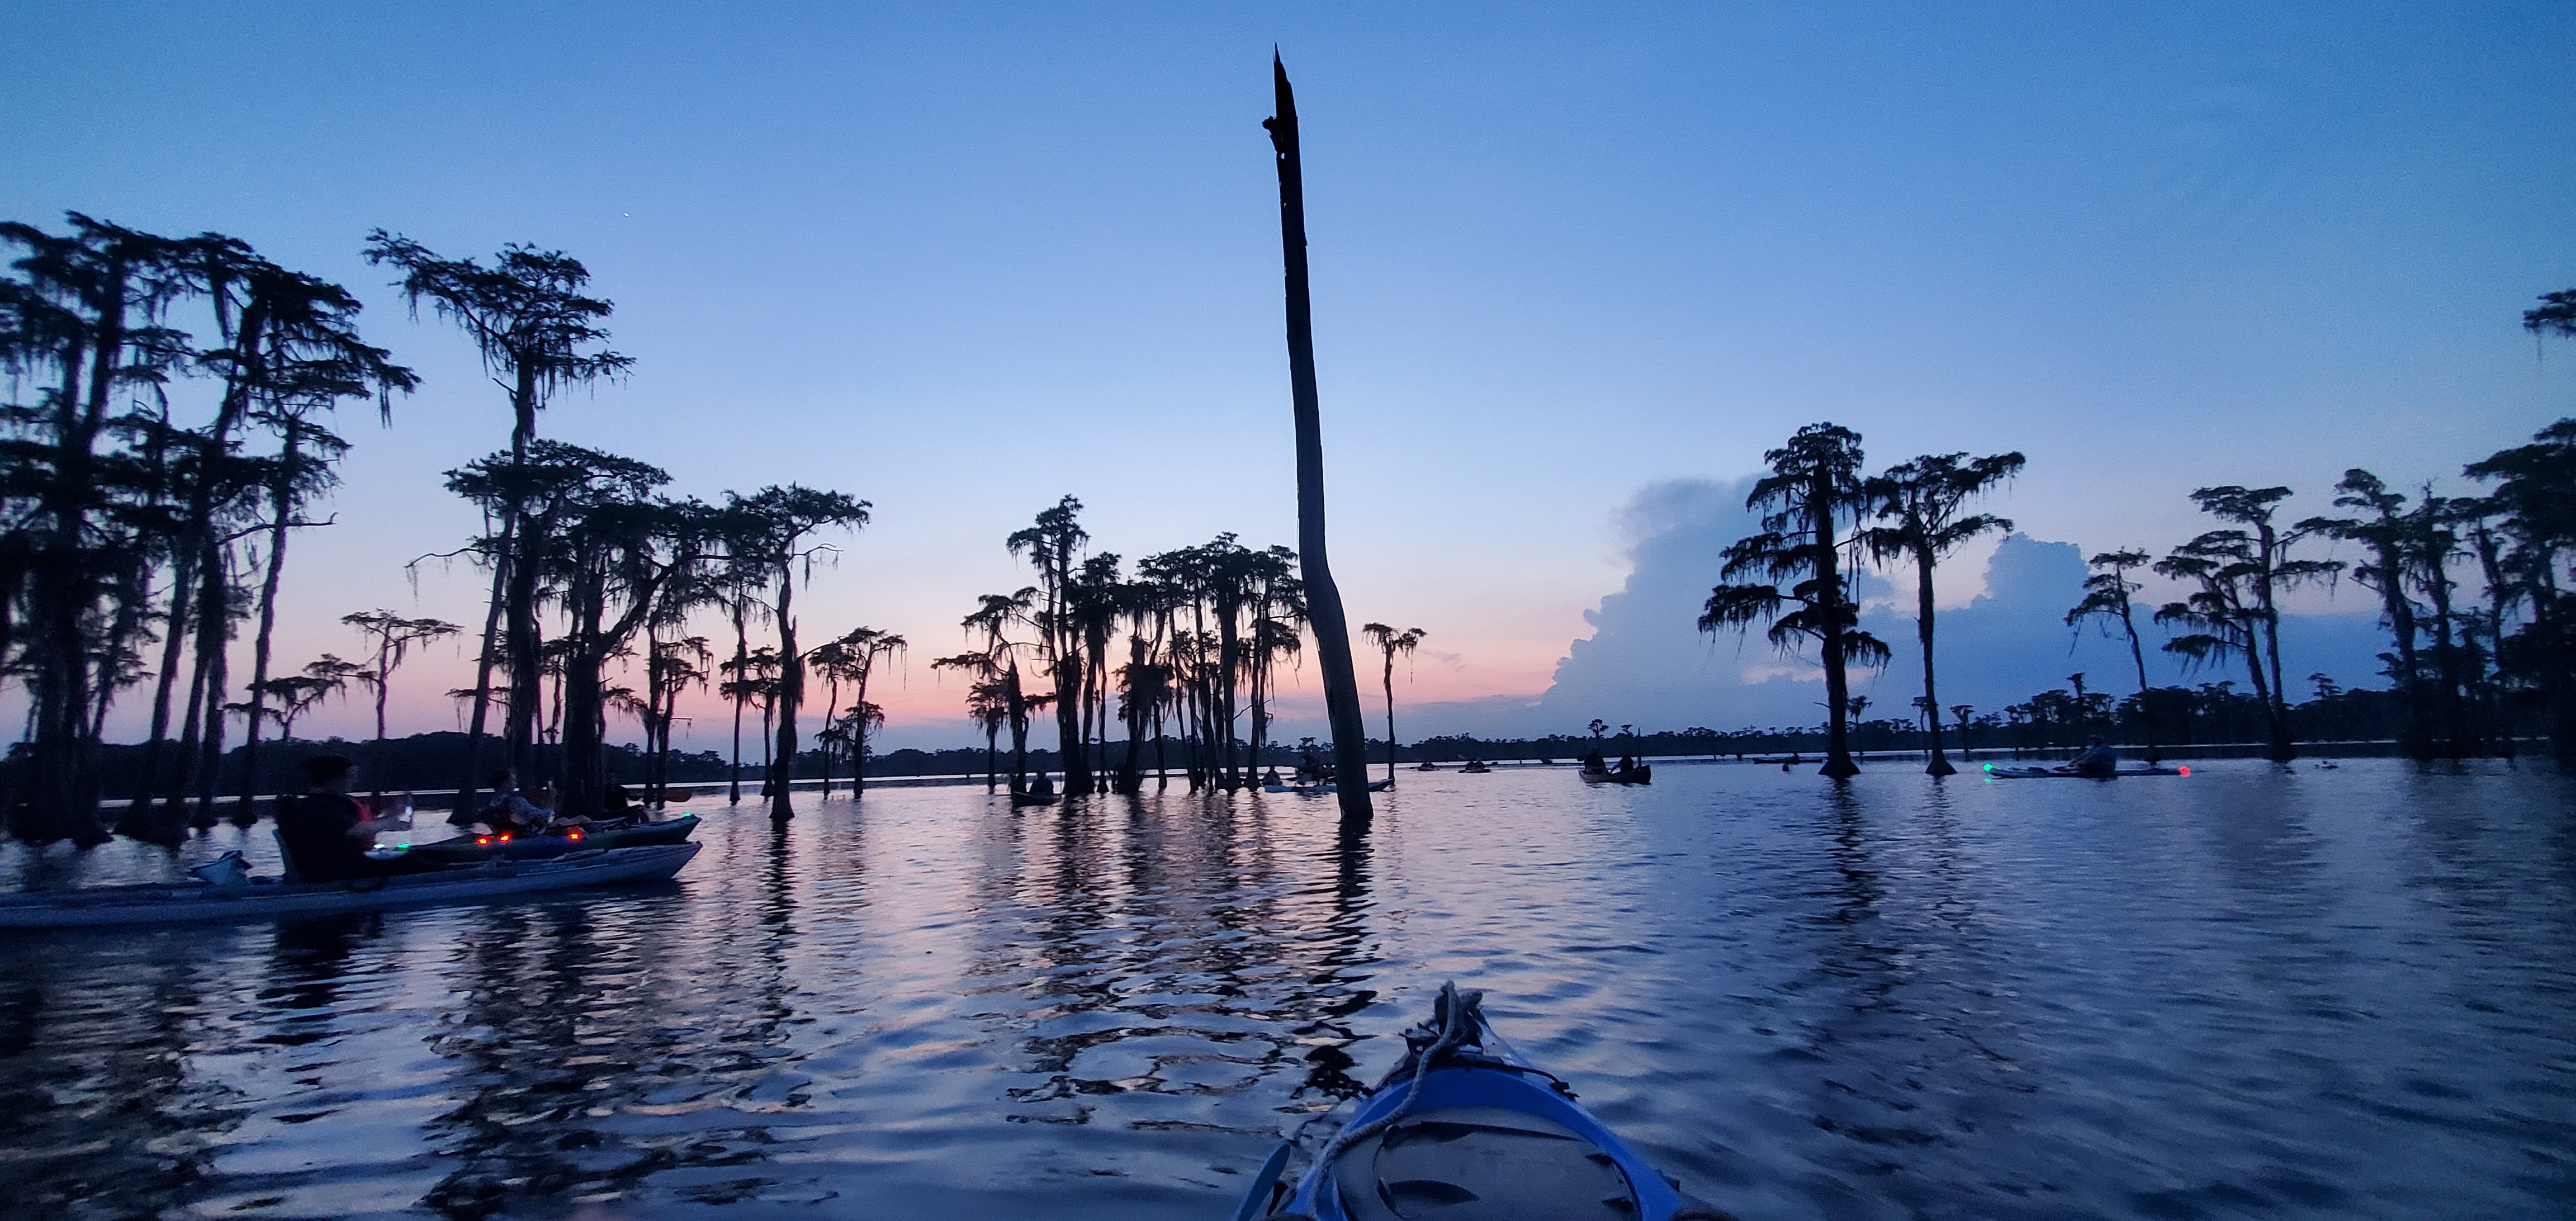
(1481, 1163)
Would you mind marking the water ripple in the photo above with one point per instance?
(2249, 993)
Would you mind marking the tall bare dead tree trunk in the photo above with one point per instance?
(1324, 598)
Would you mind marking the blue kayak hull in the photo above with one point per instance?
(189, 904)
(1484, 1134)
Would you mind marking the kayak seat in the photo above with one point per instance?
(1477, 1163)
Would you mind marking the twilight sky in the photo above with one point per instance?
(961, 260)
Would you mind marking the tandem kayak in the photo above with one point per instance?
(2059, 773)
(1464, 1128)
(473, 849)
(262, 898)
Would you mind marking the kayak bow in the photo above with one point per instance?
(1465, 1129)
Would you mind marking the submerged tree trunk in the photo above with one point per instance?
(466, 798)
(138, 820)
(1838, 623)
(1940, 764)
(216, 613)
(859, 729)
(2276, 704)
(1324, 598)
(281, 505)
(523, 653)
(2458, 735)
(2416, 738)
(1017, 703)
(524, 547)
(791, 692)
(742, 695)
(2146, 702)
(1390, 719)
(585, 719)
(1069, 736)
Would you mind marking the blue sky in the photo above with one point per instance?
(961, 260)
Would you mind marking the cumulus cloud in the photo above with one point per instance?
(1647, 662)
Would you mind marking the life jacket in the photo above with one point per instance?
(313, 831)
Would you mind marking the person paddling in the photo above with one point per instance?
(507, 811)
(326, 832)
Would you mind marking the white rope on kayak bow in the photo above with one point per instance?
(1457, 1013)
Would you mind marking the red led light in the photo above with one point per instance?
(2186, 771)
(574, 834)
(482, 841)
(505, 837)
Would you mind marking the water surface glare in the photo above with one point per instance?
(2251, 992)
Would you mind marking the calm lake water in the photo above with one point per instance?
(2251, 992)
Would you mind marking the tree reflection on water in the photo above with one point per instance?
(1891, 996)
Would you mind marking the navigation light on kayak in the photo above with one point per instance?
(482, 841)
(1990, 769)
(574, 835)
(2186, 771)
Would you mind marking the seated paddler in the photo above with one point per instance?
(506, 810)
(2097, 759)
(326, 832)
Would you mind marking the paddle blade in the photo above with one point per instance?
(1257, 1200)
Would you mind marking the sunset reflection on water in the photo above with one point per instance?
(2304, 993)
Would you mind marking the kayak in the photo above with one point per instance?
(261, 898)
(2058, 773)
(1464, 1127)
(1643, 774)
(1375, 786)
(470, 849)
(1033, 799)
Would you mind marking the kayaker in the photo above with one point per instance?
(1311, 767)
(506, 810)
(2098, 759)
(326, 832)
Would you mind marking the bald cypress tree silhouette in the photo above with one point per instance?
(538, 333)
(2384, 537)
(2241, 573)
(1391, 642)
(776, 547)
(1814, 483)
(2107, 598)
(1919, 501)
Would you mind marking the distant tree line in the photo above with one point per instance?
(2463, 668)
(1191, 642)
(142, 531)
